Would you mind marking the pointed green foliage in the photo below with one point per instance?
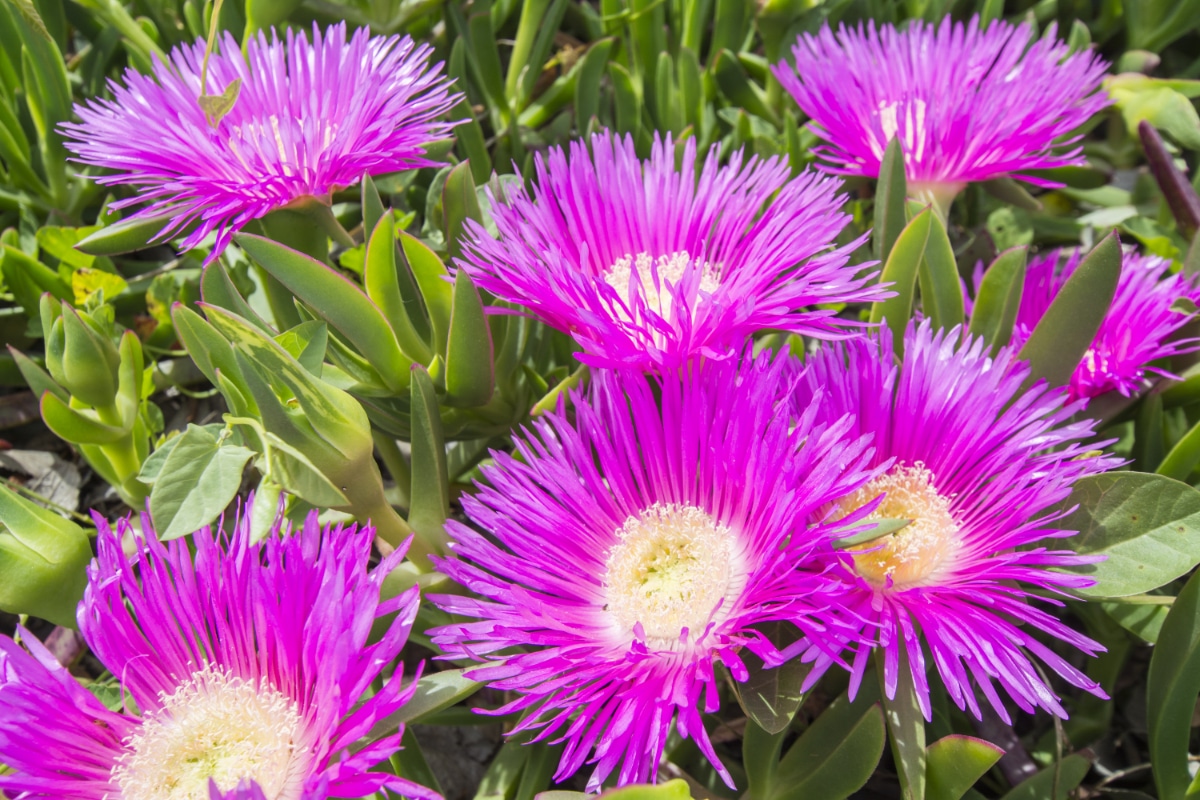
(900, 270)
(217, 289)
(835, 756)
(77, 426)
(1012, 192)
(1066, 330)
(627, 102)
(435, 692)
(906, 727)
(43, 561)
(38, 380)
(212, 353)
(587, 84)
(1146, 526)
(890, 196)
(337, 301)
(381, 278)
(995, 310)
(737, 87)
(80, 356)
(28, 279)
(1055, 782)
(430, 490)
(954, 763)
(772, 696)
(941, 289)
(875, 529)
(1171, 688)
(504, 772)
(470, 380)
(372, 206)
(1183, 457)
(198, 481)
(459, 203)
(437, 292)
(292, 470)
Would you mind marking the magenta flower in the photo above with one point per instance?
(631, 552)
(978, 466)
(644, 263)
(310, 119)
(967, 104)
(245, 662)
(1138, 329)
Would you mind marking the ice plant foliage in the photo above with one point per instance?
(645, 263)
(968, 104)
(1143, 323)
(246, 665)
(978, 466)
(631, 552)
(310, 118)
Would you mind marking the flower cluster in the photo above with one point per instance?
(652, 535)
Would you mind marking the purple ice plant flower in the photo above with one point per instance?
(967, 103)
(310, 118)
(648, 264)
(243, 667)
(979, 466)
(1141, 325)
(625, 555)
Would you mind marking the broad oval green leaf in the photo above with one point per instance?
(1066, 330)
(955, 762)
(772, 696)
(198, 481)
(1147, 526)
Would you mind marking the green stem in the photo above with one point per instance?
(121, 454)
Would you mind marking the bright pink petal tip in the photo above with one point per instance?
(260, 649)
(311, 118)
(648, 264)
(630, 552)
(980, 466)
(968, 104)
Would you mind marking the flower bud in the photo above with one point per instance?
(79, 356)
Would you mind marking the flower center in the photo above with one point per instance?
(670, 571)
(919, 553)
(220, 727)
(653, 277)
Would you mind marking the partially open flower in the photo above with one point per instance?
(978, 466)
(1149, 308)
(628, 554)
(646, 263)
(967, 103)
(309, 118)
(242, 666)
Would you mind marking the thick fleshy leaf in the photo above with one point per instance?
(372, 206)
(995, 309)
(900, 270)
(470, 379)
(835, 756)
(430, 491)
(890, 197)
(382, 282)
(906, 728)
(587, 85)
(459, 203)
(435, 692)
(212, 353)
(198, 481)
(1171, 688)
(217, 289)
(1176, 188)
(1147, 527)
(337, 301)
(954, 763)
(772, 696)
(1055, 782)
(78, 426)
(43, 561)
(941, 289)
(1065, 331)
(504, 771)
(1012, 192)
(293, 471)
(436, 290)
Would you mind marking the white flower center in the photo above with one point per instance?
(220, 727)
(672, 570)
(918, 554)
(653, 277)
